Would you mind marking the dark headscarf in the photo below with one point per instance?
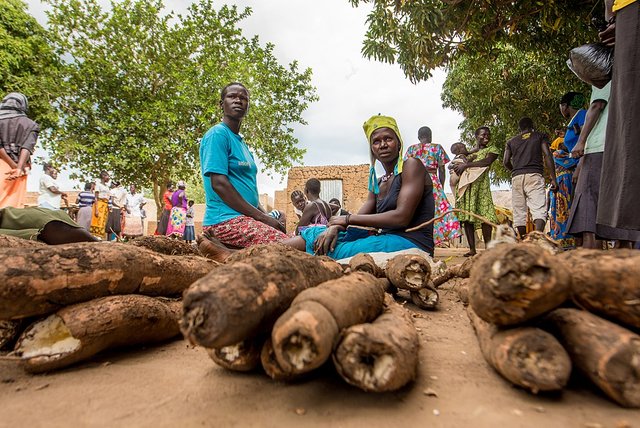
(575, 100)
(13, 105)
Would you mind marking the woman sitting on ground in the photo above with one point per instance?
(317, 212)
(399, 200)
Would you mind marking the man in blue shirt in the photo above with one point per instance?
(233, 214)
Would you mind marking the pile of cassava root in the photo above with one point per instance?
(536, 314)
(291, 313)
(63, 304)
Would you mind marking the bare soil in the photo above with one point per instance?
(176, 385)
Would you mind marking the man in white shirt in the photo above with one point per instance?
(50, 195)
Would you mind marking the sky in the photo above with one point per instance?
(327, 36)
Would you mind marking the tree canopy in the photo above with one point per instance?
(504, 59)
(420, 35)
(142, 85)
(498, 93)
(27, 63)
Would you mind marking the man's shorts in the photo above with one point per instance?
(527, 191)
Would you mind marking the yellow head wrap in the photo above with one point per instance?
(374, 123)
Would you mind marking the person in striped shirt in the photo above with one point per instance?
(85, 202)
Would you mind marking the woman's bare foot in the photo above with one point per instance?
(212, 249)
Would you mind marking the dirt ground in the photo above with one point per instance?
(176, 385)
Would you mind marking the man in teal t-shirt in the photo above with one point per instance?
(233, 214)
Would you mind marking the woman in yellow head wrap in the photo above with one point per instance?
(398, 200)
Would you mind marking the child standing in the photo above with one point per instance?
(189, 229)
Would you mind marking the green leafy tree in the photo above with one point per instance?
(142, 85)
(499, 92)
(27, 63)
(421, 35)
(505, 59)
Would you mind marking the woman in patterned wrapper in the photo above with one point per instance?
(477, 197)
(434, 159)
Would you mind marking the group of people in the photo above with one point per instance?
(106, 208)
(310, 209)
(400, 200)
(594, 177)
(592, 185)
(178, 215)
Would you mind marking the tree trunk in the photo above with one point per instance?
(526, 356)
(38, 281)
(608, 354)
(158, 191)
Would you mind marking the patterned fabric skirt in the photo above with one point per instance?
(243, 231)
(477, 199)
(99, 222)
(447, 227)
(177, 221)
(560, 208)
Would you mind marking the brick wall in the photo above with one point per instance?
(354, 186)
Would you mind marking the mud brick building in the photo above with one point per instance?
(347, 183)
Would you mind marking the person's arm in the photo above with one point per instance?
(20, 169)
(441, 174)
(608, 36)
(234, 200)
(56, 191)
(413, 186)
(548, 161)
(491, 157)
(369, 207)
(506, 161)
(4, 156)
(593, 114)
(95, 204)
